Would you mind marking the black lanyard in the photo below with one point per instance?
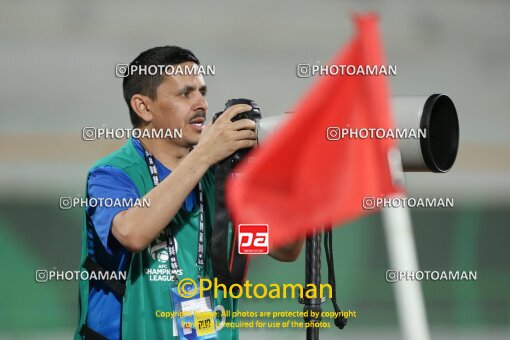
(172, 253)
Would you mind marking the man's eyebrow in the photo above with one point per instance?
(191, 88)
(187, 88)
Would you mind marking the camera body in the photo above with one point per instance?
(254, 114)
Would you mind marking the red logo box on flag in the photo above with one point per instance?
(253, 238)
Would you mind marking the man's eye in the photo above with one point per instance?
(185, 94)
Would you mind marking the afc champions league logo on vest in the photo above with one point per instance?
(159, 250)
(159, 270)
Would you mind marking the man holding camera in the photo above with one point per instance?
(167, 241)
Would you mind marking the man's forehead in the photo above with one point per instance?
(180, 81)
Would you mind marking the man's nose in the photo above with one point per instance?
(201, 104)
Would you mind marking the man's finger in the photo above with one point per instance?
(245, 134)
(244, 124)
(232, 111)
(246, 143)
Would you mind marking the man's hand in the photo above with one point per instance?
(224, 137)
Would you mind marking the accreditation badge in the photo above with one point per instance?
(194, 313)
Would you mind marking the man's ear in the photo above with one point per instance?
(141, 105)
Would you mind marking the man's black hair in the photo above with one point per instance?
(147, 85)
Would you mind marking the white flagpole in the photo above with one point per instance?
(402, 257)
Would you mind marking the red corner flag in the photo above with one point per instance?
(306, 175)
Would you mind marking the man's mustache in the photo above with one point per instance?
(198, 114)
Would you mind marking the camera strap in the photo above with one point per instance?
(233, 271)
(340, 321)
(172, 253)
